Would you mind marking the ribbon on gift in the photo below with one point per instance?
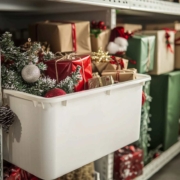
(148, 57)
(167, 36)
(118, 62)
(97, 27)
(70, 56)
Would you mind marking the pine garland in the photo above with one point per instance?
(14, 60)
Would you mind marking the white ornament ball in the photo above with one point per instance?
(30, 73)
(121, 42)
(112, 48)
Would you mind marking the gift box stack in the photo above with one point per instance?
(165, 85)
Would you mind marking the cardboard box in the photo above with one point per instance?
(63, 37)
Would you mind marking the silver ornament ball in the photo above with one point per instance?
(30, 73)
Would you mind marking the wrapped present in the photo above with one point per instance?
(62, 67)
(96, 82)
(173, 26)
(143, 54)
(63, 36)
(99, 36)
(84, 173)
(165, 106)
(121, 75)
(12, 173)
(102, 61)
(128, 163)
(130, 27)
(164, 51)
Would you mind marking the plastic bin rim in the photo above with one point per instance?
(141, 78)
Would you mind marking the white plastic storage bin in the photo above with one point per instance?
(105, 167)
(53, 136)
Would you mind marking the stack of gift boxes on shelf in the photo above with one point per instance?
(81, 55)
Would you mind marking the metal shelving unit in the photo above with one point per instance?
(142, 7)
(159, 162)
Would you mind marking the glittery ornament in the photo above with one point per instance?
(54, 92)
(30, 73)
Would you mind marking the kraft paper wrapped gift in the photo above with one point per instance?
(63, 37)
(96, 82)
(175, 26)
(121, 75)
(101, 41)
(164, 52)
(141, 49)
(102, 61)
(130, 27)
(165, 106)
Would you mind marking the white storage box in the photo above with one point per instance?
(53, 136)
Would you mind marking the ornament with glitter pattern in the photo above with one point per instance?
(30, 73)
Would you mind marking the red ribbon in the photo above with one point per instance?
(74, 42)
(119, 61)
(167, 36)
(132, 61)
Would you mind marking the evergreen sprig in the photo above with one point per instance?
(14, 61)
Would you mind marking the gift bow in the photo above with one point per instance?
(100, 56)
(167, 36)
(118, 62)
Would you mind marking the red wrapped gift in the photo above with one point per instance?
(128, 163)
(60, 68)
(12, 174)
(27, 176)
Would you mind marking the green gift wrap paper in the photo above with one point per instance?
(165, 109)
(141, 50)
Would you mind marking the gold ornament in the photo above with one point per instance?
(100, 56)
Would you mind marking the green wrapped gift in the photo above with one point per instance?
(141, 50)
(165, 109)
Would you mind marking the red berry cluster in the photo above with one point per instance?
(98, 25)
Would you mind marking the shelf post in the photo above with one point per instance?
(1, 141)
(111, 18)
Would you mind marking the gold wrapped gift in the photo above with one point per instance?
(121, 75)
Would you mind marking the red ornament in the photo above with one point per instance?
(143, 98)
(103, 27)
(101, 23)
(93, 24)
(54, 92)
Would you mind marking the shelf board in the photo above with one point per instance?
(159, 162)
(155, 6)
(137, 6)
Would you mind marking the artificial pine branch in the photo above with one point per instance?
(14, 62)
